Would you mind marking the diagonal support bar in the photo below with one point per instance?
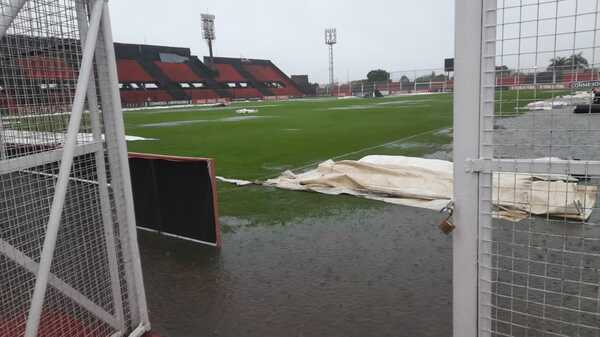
(14, 7)
(31, 266)
(60, 192)
(107, 220)
(120, 175)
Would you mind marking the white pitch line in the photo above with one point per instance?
(362, 150)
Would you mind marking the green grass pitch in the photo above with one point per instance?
(298, 134)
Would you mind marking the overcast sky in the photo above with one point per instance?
(388, 34)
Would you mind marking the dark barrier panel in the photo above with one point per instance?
(176, 196)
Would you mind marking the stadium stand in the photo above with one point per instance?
(192, 84)
(149, 75)
(178, 72)
(273, 78)
(227, 73)
(132, 71)
(185, 78)
(48, 78)
(39, 67)
(137, 86)
(234, 83)
(262, 75)
(209, 75)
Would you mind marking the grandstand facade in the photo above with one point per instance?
(157, 75)
(148, 76)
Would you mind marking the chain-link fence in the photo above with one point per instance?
(69, 261)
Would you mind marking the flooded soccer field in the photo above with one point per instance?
(304, 264)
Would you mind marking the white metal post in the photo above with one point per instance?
(41, 282)
(415, 81)
(109, 235)
(121, 179)
(486, 151)
(468, 51)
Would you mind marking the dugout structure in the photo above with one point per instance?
(69, 260)
(176, 196)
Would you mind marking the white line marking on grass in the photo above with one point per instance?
(408, 102)
(376, 106)
(370, 148)
(195, 121)
(301, 168)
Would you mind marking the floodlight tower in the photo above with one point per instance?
(208, 31)
(330, 40)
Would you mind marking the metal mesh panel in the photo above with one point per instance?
(92, 287)
(540, 275)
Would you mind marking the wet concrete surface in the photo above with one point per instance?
(556, 133)
(374, 272)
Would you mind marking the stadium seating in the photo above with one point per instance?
(227, 73)
(132, 71)
(244, 93)
(153, 74)
(39, 67)
(52, 74)
(178, 72)
(199, 94)
(140, 97)
(266, 73)
(182, 73)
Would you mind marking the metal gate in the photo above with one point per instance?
(522, 68)
(69, 261)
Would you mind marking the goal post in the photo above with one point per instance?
(67, 225)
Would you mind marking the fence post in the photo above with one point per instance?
(415, 81)
(468, 49)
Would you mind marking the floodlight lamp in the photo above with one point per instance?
(208, 27)
(331, 36)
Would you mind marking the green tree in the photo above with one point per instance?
(432, 77)
(575, 61)
(404, 80)
(378, 75)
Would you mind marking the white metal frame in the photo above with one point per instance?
(97, 47)
(466, 146)
(474, 163)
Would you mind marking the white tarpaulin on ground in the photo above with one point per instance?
(580, 97)
(428, 183)
(23, 137)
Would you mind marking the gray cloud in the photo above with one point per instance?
(393, 35)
